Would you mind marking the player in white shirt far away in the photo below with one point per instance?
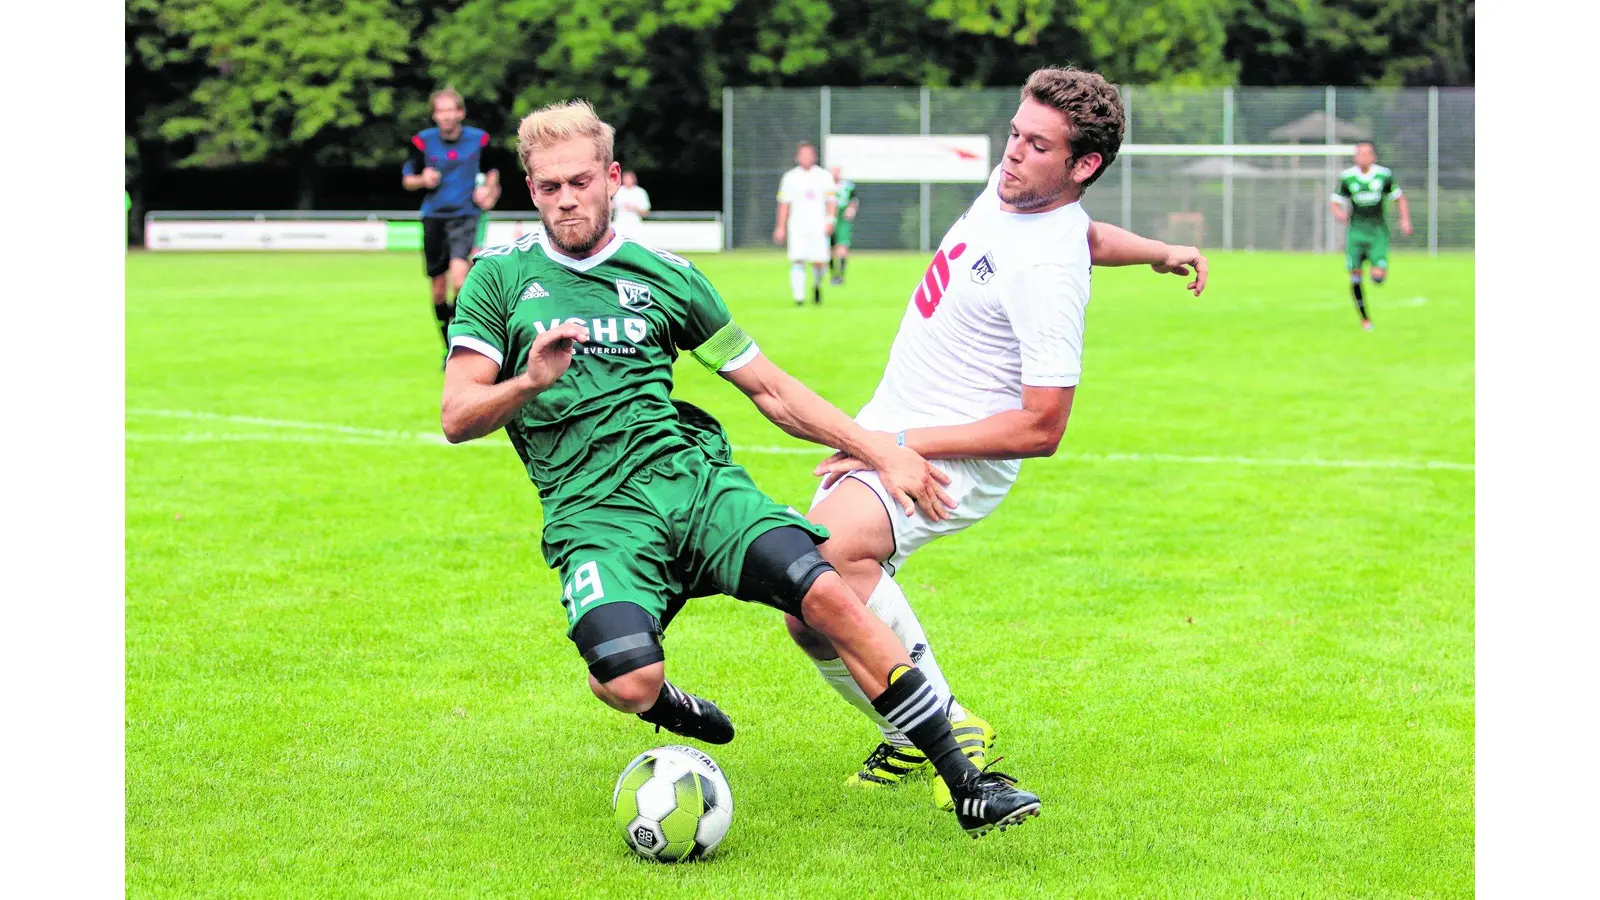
(805, 220)
(981, 374)
(632, 204)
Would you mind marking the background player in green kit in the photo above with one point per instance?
(566, 339)
(1364, 187)
(844, 194)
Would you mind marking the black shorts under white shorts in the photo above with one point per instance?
(444, 239)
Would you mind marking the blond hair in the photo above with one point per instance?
(558, 122)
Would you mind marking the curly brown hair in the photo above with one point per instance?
(1092, 105)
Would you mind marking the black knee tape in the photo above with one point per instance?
(780, 567)
(616, 639)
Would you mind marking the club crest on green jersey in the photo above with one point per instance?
(633, 296)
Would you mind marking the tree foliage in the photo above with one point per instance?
(1352, 42)
(307, 83)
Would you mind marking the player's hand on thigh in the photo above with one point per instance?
(838, 466)
(914, 483)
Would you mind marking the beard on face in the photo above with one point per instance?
(1026, 197)
(580, 239)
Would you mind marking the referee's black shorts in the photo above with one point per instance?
(444, 239)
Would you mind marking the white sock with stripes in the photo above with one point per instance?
(797, 281)
(888, 602)
(838, 677)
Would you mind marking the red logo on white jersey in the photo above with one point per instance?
(935, 281)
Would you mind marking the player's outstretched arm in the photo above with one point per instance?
(798, 410)
(1113, 246)
(1405, 214)
(474, 405)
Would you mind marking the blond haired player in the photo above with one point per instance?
(566, 339)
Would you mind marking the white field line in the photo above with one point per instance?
(408, 436)
(326, 433)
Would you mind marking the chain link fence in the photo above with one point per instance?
(1263, 201)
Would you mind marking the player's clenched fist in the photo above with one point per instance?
(551, 353)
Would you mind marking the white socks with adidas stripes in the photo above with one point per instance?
(888, 602)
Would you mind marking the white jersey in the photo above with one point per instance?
(627, 220)
(1001, 306)
(807, 192)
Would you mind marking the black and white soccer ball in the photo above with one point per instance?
(673, 804)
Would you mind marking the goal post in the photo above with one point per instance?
(1232, 196)
(1236, 167)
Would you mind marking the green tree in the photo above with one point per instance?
(159, 72)
(1352, 42)
(510, 57)
(303, 83)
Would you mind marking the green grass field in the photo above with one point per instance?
(1226, 634)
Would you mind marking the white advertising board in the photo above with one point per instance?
(178, 234)
(909, 158)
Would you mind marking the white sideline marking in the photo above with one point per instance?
(345, 434)
(204, 437)
(285, 423)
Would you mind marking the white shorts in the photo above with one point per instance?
(976, 485)
(808, 245)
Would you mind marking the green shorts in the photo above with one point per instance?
(841, 233)
(680, 527)
(1371, 246)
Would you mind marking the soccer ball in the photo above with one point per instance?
(673, 804)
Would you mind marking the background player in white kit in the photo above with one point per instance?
(805, 220)
(631, 204)
(982, 372)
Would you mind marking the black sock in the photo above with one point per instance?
(842, 261)
(816, 292)
(443, 312)
(669, 703)
(833, 262)
(1361, 303)
(911, 706)
(672, 707)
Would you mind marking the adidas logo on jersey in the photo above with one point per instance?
(534, 290)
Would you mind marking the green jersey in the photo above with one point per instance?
(1365, 193)
(843, 193)
(611, 412)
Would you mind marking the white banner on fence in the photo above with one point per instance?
(676, 235)
(264, 235)
(910, 158)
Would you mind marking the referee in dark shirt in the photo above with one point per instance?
(446, 162)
